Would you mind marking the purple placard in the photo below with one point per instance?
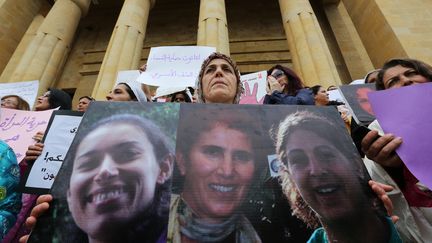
(404, 112)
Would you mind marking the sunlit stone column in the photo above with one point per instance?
(46, 54)
(212, 25)
(125, 46)
(310, 54)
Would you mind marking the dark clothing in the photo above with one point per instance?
(303, 97)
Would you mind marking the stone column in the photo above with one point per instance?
(21, 48)
(46, 54)
(310, 54)
(212, 25)
(125, 46)
(15, 18)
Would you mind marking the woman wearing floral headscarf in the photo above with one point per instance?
(219, 81)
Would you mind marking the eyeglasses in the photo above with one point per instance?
(8, 102)
(277, 74)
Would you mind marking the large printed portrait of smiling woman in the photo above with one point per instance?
(114, 185)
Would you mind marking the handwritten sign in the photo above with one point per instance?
(163, 91)
(127, 76)
(335, 95)
(26, 90)
(58, 139)
(174, 65)
(17, 128)
(255, 87)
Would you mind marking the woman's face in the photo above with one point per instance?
(10, 103)
(179, 98)
(324, 177)
(280, 76)
(218, 172)
(363, 99)
(219, 82)
(42, 102)
(399, 76)
(322, 97)
(83, 104)
(119, 93)
(114, 177)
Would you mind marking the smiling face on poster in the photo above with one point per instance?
(115, 181)
(326, 182)
(116, 178)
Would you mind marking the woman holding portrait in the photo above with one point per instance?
(412, 199)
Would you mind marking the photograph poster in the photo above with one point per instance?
(356, 96)
(222, 189)
(114, 184)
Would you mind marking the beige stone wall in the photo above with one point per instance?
(15, 17)
(257, 37)
(411, 22)
(357, 41)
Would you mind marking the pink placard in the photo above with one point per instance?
(17, 128)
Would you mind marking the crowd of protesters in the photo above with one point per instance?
(219, 82)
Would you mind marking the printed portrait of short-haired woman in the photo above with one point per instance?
(115, 183)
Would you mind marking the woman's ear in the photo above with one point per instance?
(166, 168)
(181, 163)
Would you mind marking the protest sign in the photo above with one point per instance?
(127, 76)
(357, 100)
(123, 163)
(255, 87)
(27, 90)
(404, 113)
(17, 128)
(174, 65)
(335, 95)
(61, 130)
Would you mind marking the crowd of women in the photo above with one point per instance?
(218, 162)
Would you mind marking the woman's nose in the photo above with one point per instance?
(316, 167)
(107, 170)
(226, 167)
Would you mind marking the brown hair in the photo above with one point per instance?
(422, 68)
(22, 104)
(294, 81)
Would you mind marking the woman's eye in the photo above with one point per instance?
(411, 73)
(242, 156)
(212, 151)
(227, 69)
(125, 153)
(325, 154)
(209, 70)
(89, 162)
(392, 82)
(297, 158)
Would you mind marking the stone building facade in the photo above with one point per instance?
(80, 45)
